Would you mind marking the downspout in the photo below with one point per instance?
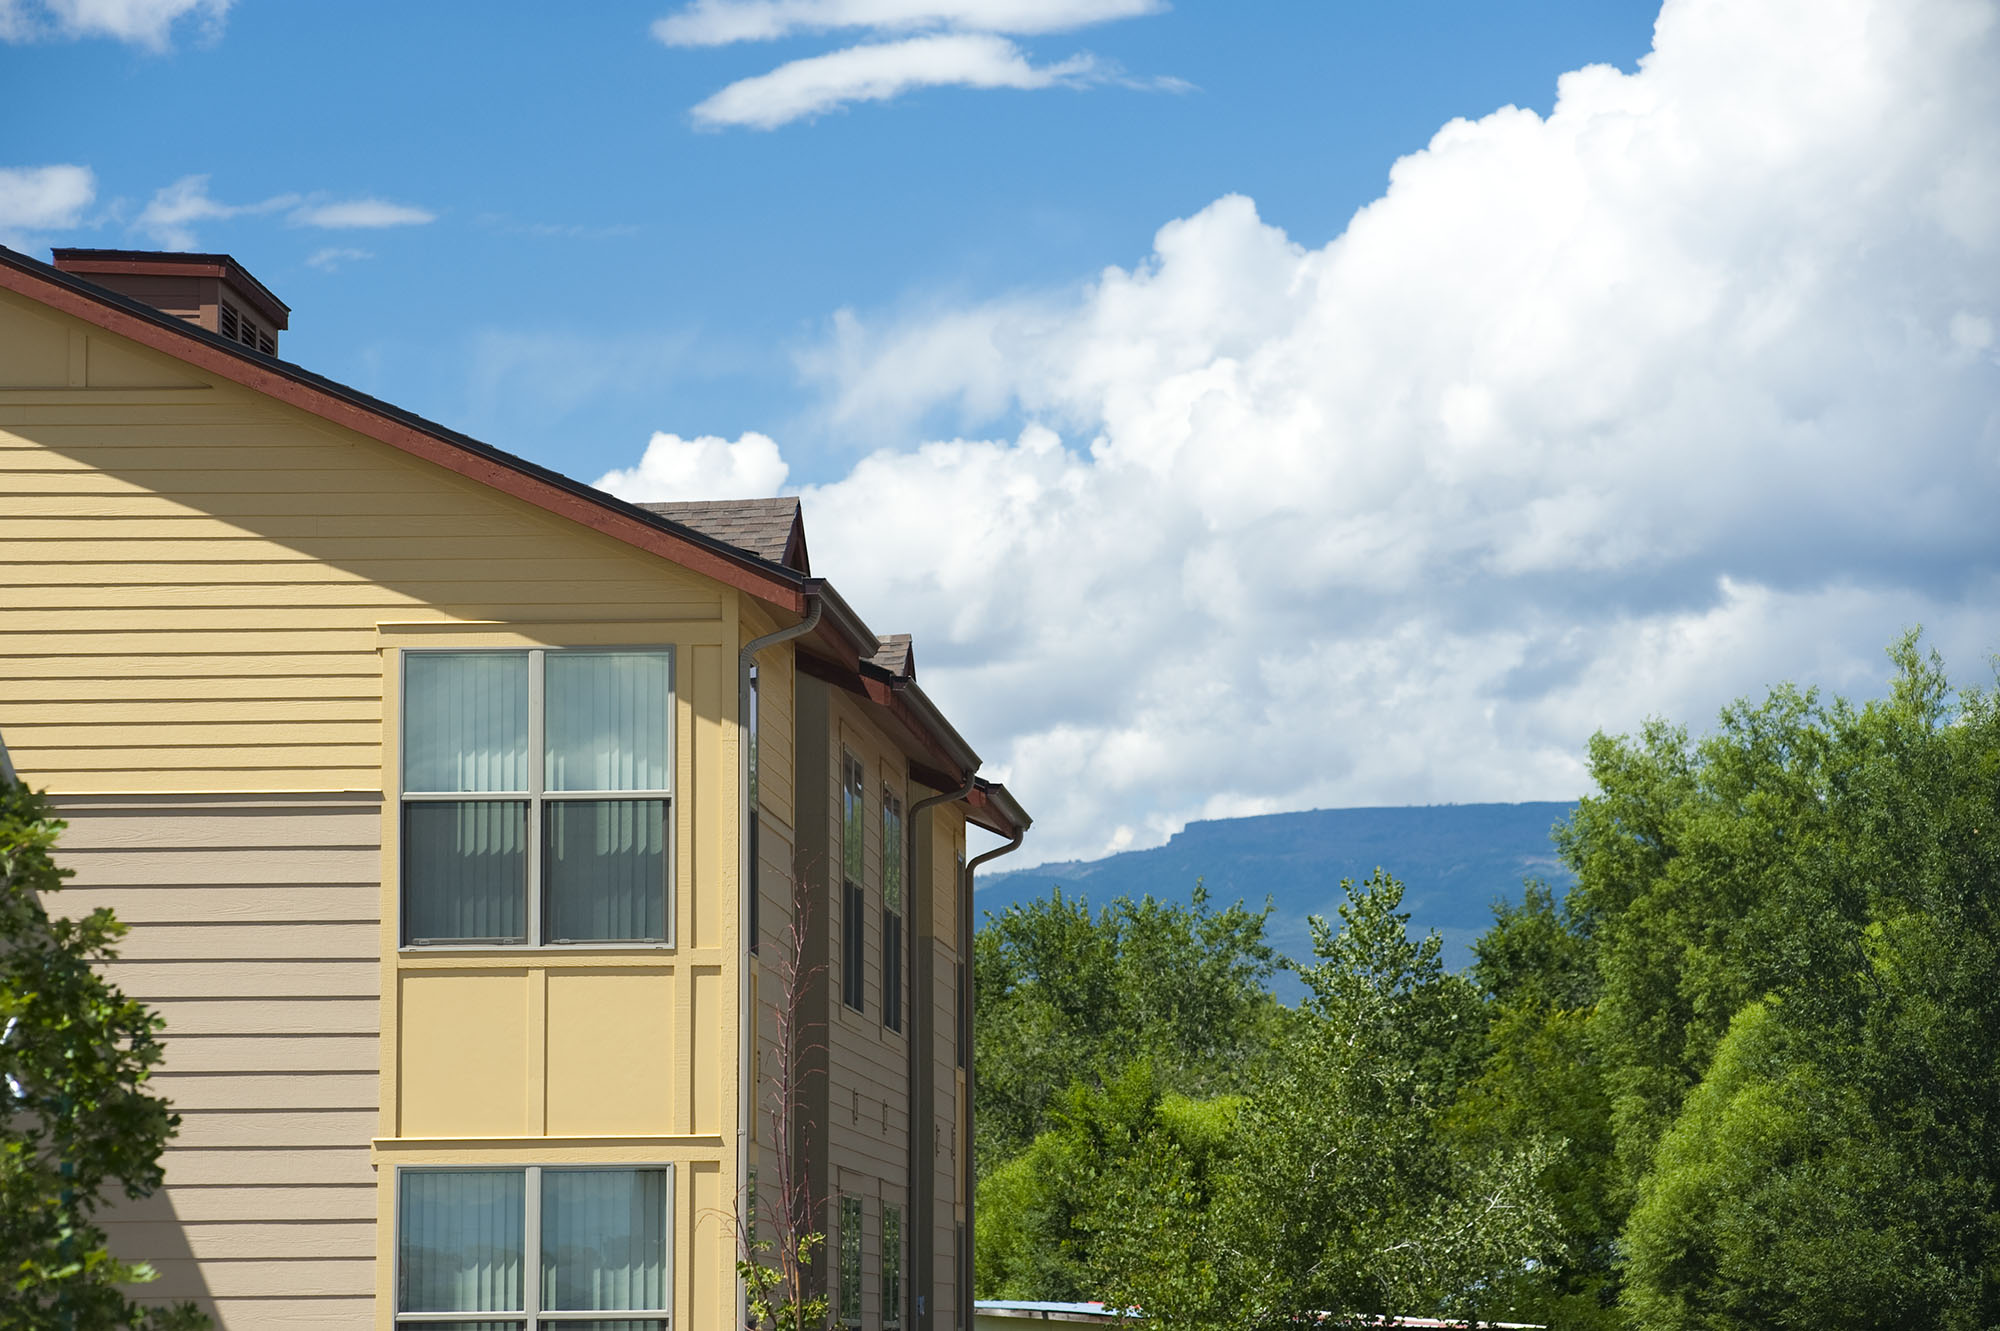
(971, 1078)
(746, 1079)
(912, 1078)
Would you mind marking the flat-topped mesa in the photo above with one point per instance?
(211, 291)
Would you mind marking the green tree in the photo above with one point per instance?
(1067, 995)
(1795, 928)
(1777, 1198)
(1081, 1213)
(76, 1118)
(1348, 1193)
(1542, 1078)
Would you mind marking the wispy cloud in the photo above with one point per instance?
(879, 71)
(719, 22)
(334, 257)
(170, 215)
(42, 198)
(361, 214)
(514, 226)
(931, 44)
(169, 218)
(147, 23)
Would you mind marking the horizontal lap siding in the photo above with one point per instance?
(869, 1150)
(193, 580)
(254, 937)
(190, 588)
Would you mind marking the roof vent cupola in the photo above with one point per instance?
(212, 291)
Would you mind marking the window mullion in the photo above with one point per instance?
(537, 780)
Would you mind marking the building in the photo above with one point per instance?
(431, 782)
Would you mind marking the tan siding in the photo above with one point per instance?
(868, 1076)
(271, 1039)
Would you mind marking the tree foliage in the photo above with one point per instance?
(1348, 1194)
(76, 1117)
(1743, 1075)
(1066, 995)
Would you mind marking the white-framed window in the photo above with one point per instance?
(537, 796)
(536, 1248)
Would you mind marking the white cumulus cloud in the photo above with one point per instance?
(42, 198)
(1684, 389)
(708, 467)
(718, 22)
(878, 71)
(147, 23)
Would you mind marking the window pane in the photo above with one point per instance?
(465, 871)
(605, 869)
(465, 721)
(850, 1259)
(853, 953)
(892, 1266)
(604, 1239)
(850, 819)
(428, 1325)
(892, 971)
(459, 1240)
(606, 716)
(608, 1324)
(892, 853)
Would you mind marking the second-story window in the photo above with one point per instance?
(892, 911)
(853, 902)
(537, 796)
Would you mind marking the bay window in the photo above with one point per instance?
(534, 1249)
(537, 797)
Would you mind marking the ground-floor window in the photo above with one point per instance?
(892, 1267)
(534, 1249)
(850, 1261)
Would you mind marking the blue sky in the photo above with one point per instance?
(578, 202)
(1248, 407)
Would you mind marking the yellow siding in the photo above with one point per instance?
(205, 592)
(191, 581)
(463, 1054)
(610, 1052)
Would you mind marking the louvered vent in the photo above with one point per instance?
(210, 290)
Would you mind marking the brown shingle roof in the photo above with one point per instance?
(767, 528)
(895, 655)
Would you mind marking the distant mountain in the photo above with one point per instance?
(1455, 861)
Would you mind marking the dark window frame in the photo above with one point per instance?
(853, 896)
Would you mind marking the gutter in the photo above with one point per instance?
(916, 1112)
(746, 1076)
(964, 1262)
